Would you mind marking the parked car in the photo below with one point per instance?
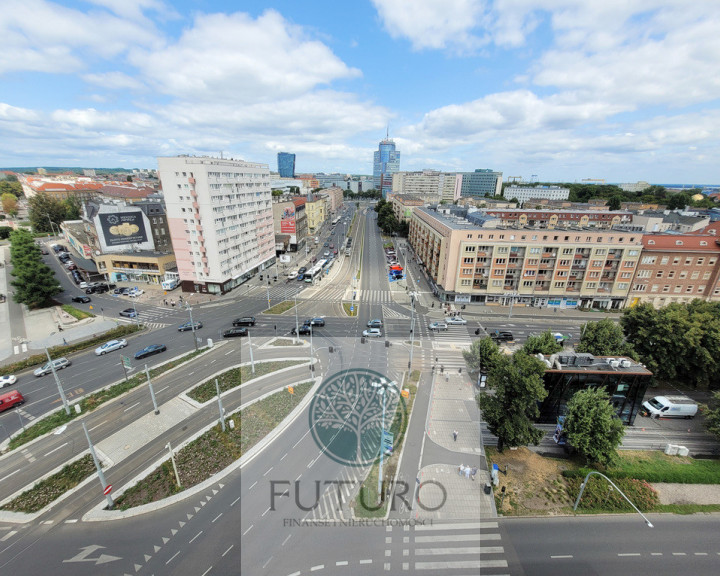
(83, 285)
(293, 274)
(189, 326)
(304, 330)
(335, 251)
(502, 336)
(135, 292)
(101, 288)
(8, 380)
(128, 313)
(438, 326)
(150, 351)
(120, 291)
(372, 333)
(377, 323)
(110, 346)
(90, 290)
(315, 321)
(326, 253)
(456, 320)
(235, 332)
(81, 299)
(244, 321)
(58, 363)
(326, 244)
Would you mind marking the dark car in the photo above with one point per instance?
(100, 288)
(64, 258)
(150, 351)
(326, 244)
(304, 330)
(315, 322)
(502, 336)
(235, 332)
(121, 291)
(90, 290)
(81, 299)
(302, 270)
(244, 321)
(128, 312)
(189, 326)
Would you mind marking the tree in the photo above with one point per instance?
(712, 414)
(678, 201)
(5, 232)
(73, 208)
(614, 203)
(544, 343)
(43, 209)
(276, 193)
(8, 186)
(483, 355)
(35, 283)
(604, 338)
(517, 387)
(592, 426)
(9, 203)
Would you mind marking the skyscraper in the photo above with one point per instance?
(286, 165)
(387, 163)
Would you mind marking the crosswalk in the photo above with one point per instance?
(334, 504)
(391, 313)
(473, 547)
(327, 294)
(151, 317)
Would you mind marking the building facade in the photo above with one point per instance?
(316, 210)
(430, 185)
(290, 222)
(386, 163)
(468, 262)
(403, 205)
(482, 182)
(335, 198)
(219, 213)
(286, 165)
(526, 193)
(560, 219)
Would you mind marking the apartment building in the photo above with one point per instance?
(557, 219)
(335, 198)
(429, 185)
(219, 212)
(527, 193)
(482, 182)
(316, 211)
(468, 262)
(403, 204)
(290, 223)
(677, 268)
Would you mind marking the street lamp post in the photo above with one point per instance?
(192, 326)
(297, 326)
(412, 330)
(137, 318)
(582, 489)
(52, 225)
(252, 361)
(59, 384)
(383, 385)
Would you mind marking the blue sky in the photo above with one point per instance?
(624, 90)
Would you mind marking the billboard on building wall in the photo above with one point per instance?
(287, 221)
(120, 228)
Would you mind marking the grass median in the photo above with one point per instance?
(93, 401)
(280, 307)
(215, 450)
(237, 376)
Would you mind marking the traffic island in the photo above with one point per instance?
(280, 307)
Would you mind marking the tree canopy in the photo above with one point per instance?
(35, 283)
(387, 221)
(515, 386)
(44, 209)
(9, 203)
(544, 343)
(483, 355)
(592, 427)
(604, 338)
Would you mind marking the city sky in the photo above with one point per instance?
(563, 90)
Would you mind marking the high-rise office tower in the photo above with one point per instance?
(220, 217)
(387, 163)
(286, 165)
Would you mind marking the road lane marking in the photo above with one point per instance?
(8, 476)
(228, 550)
(248, 530)
(286, 539)
(253, 484)
(97, 426)
(318, 567)
(55, 449)
(216, 517)
(173, 557)
(561, 556)
(8, 535)
(268, 472)
(629, 554)
(341, 563)
(676, 554)
(206, 571)
(266, 511)
(283, 456)
(161, 389)
(365, 561)
(194, 537)
(236, 499)
(131, 407)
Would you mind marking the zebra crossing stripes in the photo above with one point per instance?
(388, 312)
(335, 501)
(470, 546)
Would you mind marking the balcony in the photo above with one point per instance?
(191, 180)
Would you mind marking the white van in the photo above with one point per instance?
(671, 407)
(293, 274)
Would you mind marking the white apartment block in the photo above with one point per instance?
(525, 193)
(430, 185)
(634, 186)
(219, 214)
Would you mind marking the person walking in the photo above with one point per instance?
(455, 435)
(473, 472)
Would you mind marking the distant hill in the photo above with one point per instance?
(62, 169)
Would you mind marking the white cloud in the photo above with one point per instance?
(114, 81)
(434, 24)
(235, 58)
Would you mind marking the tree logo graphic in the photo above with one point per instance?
(346, 415)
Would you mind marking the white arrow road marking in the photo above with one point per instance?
(87, 550)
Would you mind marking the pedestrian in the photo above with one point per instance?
(455, 435)
(467, 472)
(473, 472)
(461, 469)
(60, 328)
(172, 303)
(64, 342)
(165, 302)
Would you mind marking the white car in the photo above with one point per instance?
(456, 320)
(293, 274)
(8, 380)
(58, 364)
(135, 292)
(372, 333)
(438, 326)
(110, 346)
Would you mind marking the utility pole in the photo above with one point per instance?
(152, 392)
(220, 406)
(192, 326)
(101, 476)
(412, 330)
(297, 326)
(59, 385)
(252, 362)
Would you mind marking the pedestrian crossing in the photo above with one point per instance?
(474, 547)
(388, 312)
(455, 337)
(448, 358)
(334, 504)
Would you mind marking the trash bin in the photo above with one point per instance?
(487, 488)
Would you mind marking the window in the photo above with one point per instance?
(689, 289)
(648, 260)
(629, 264)
(499, 260)
(467, 260)
(530, 272)
(622, 286)
(695, 275)
(600, 251)
(467, 271)
(639, 287)
(688, 261)
(664, 260)
(633, 252)
(700, 261)
(627, 275)
(594, 275)
(497, 283)
(465, 282)
(535, 250)
(683, 275)
(597, 263)
(559, 284)
(677, 289)
(658, 275)
(568, 251)
(666, 288)
(469, 248)
(671, 274)
(562, 274)
(564, 263)
(676, 261)
(654, 288)
(701, 289)
(591, 285)
(706, 275)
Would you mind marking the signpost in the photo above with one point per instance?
(107, 490)
(126, 365)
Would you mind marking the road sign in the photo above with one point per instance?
(125, 361)
(291, 390)
(352, 308)
(107, 490)
(387, 441)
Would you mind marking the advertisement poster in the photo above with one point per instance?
(121, 228)
(287, 221)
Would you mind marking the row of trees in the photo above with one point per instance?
(44, 209)
(371, 194)
(35, 283)
(387, 221)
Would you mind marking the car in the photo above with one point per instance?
(304, 330)
(101, 288)
(293, 274)
(326, 244)
(83, 285)
(244, 321)
(90, 290)
(502, 336)
(7, 380)
(302, 270)
(438, 326)
(335, 251)
(300, 277)
(128, 312)
(81, 299)
(377, 323)
(189, 326)
(110, 346)
(58, 364)
(372, 333)
(326, 253)
(70, 265)
(332, 246)
(150, 351)
(456, 320)
(135, 292)
(120, 291)
(235, 332)
(315, 321)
